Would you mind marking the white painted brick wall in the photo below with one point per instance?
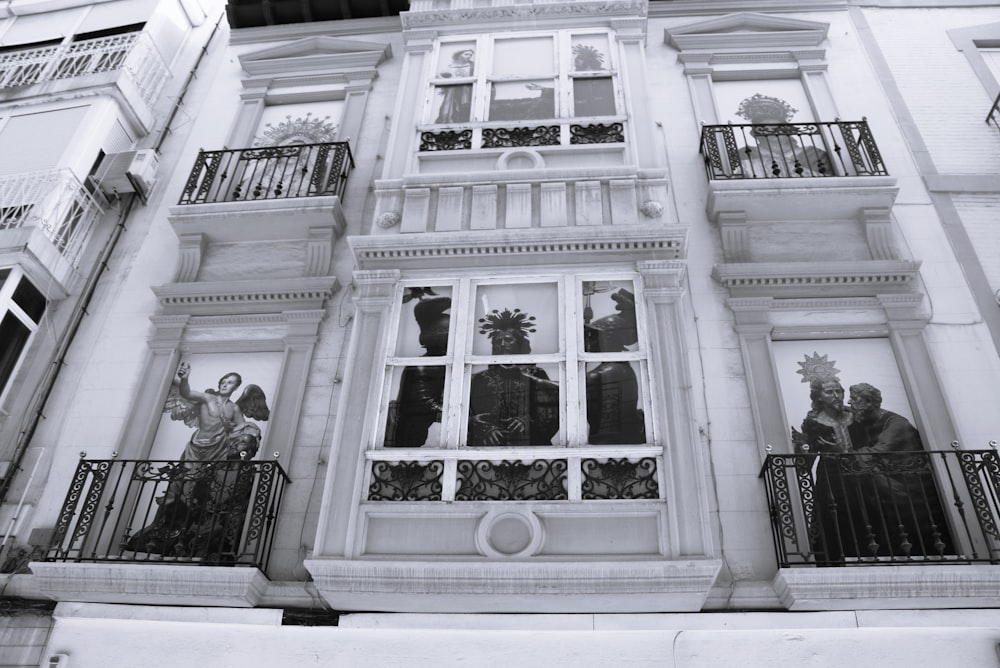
(948, 102)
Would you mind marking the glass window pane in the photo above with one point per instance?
(513, 404)
(523, 100)
(614, 404)
(453, 104)
(414, 414)
(424, 322)
(13, 335)
(523, 57)
(30, 299)
(516, 319)
(593, 97)
(609, 322)
(457, 60)
(590, 53)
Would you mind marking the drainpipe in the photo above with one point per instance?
(36, 410)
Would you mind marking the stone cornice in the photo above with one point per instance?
(554, 10)
(702, 8)
(257, 296)
(815, 280)
(570, 245)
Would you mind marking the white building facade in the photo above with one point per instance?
(666, 329)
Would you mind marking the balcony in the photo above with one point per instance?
(133, 54)
(125, 519)
(795, 171)
(241, 194)
(895, 526)
(52, 215)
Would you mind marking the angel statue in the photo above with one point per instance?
(221, 429)
(202, 511)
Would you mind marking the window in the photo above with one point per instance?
(21, 309)
(485, 364)
(518, 81)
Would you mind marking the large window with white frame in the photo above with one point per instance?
(21, 309)
(527, 89)
(542, 373)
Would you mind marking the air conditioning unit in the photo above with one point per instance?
(128, 172)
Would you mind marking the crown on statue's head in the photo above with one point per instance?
(516, 321)
(765, 109)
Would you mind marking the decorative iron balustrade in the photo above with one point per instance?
(597, 133)
(269, 172)
(133, 52)
(214, 513)
(514, 479)
(790, 150)
(446, 140)
(406, 481)
(840, 509)
(55, 202)
(543, 135)
(994, 115)
(538, 480)
(620, 479)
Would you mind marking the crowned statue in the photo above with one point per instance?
(511, 404)
(777, 151)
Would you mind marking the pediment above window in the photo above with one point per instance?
(746, 30)
(315, 54)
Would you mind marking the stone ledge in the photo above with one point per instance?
(288, 218)
(415, 586)
(809, 199)
(888, 587)
(142, 584)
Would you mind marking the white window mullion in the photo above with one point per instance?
(449, 479)
(574, 478)
(575, 423)
(456, 414)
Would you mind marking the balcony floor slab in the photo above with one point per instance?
(150, 584)
(801, 199)
(889, 587)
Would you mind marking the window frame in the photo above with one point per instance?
(10, 282)
(460, 362)
(483, 80)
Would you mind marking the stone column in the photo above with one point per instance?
(684, 462)
(374, 291)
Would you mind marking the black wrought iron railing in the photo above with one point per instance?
(213, 513)
(269, 172)
(790, 150)
(928, 507)
(994, 115)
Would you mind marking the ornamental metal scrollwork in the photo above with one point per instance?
(446, 140)
(406, 481)
(545, 135)
(597, 133)
(511, 480)
(620, 479)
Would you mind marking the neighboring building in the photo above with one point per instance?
(539, 308)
